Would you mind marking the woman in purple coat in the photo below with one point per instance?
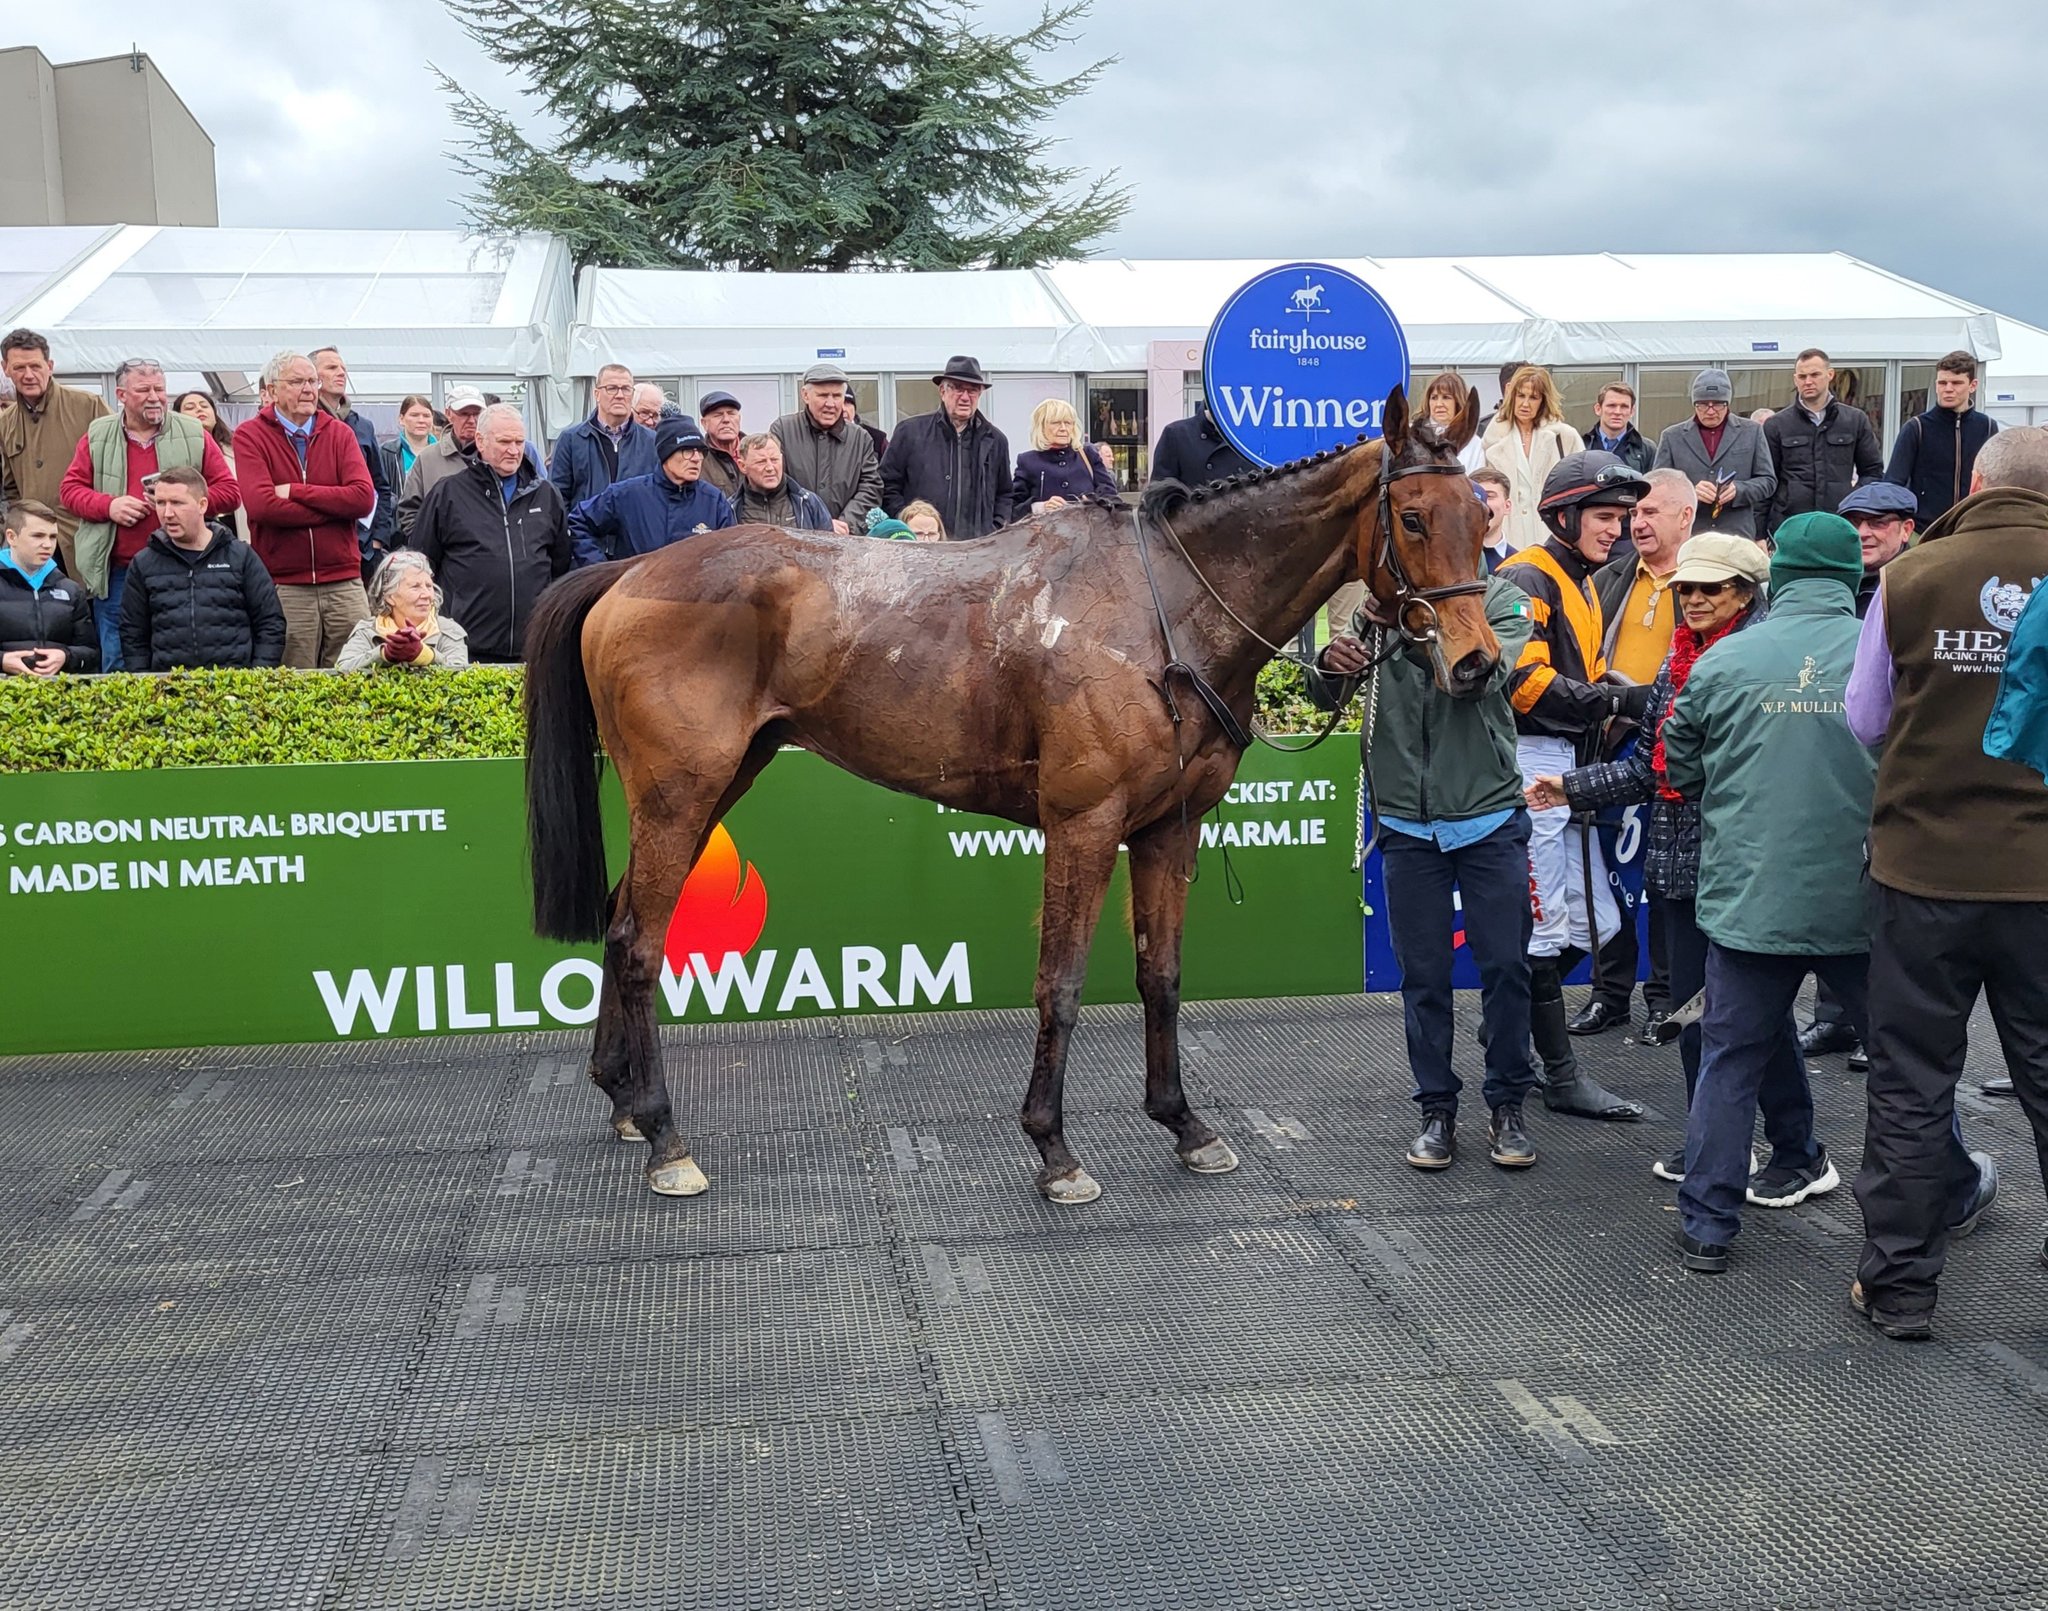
(1059, 469)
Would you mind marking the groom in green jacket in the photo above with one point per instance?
(1448, 790)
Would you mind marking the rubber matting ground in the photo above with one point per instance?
(396, 1324)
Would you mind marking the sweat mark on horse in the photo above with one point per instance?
(935, 671)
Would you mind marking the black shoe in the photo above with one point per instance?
(1659, 1030)
(1859, 1059)
(1706, 1258)
(1787, 1186)
(1817, 1039)
(1507, 1143)
(1438, 1142)
(1596, 1018)
(1899, 1327)
(1985, 1194)
(1565, 1088)
(2002, 1086)
(1671, 1166)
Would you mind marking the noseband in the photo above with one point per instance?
(1407, 596)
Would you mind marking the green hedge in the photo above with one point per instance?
(267, 718)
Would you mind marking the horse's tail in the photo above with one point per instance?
(564, 834)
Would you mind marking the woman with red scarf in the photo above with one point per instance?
(1719, 587)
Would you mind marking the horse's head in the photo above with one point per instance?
(1420, 545)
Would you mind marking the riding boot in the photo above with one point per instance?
(1565, 1088)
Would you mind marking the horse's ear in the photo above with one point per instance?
(1394, 421)
(1466, 423)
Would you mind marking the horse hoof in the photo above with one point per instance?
(1069, 1190)
(1215, 1158)
(681, 1178)
(626, 1130)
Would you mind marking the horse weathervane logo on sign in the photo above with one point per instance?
(1308, 299)
(1279, 390)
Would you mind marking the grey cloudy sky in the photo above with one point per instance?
(1908, 134)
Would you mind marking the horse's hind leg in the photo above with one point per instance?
(611, 1063)
(1080, 853)
(1159, 899)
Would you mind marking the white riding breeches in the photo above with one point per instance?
(1557, 862)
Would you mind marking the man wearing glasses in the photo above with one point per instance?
(1727, 459)
(609, 446)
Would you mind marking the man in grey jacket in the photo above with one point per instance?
(825, 451)
(1727, 460)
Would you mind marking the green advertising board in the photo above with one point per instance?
(231, 905)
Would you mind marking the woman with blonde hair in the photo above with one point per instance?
(1059, 469)
(1526, 440)
(1441, 401)
(406, 628)
(924, 522)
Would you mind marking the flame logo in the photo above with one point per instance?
(720, 908)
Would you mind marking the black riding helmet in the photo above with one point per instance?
(1582, 481)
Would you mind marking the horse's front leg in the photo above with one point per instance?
(1080, 853)
(1159, 901)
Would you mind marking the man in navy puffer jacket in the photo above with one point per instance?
(646, 512)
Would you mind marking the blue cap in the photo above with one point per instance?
(674, 436)
(711, 400)
(1880, 498)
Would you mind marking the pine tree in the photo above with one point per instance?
(780, 134)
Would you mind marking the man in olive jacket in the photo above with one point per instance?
(1959, 856)
(1448, 789)
(1759, 739)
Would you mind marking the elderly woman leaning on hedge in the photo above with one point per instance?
(405, 627)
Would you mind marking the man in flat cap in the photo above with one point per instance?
(827, 453)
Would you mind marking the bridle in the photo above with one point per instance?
(1407, 596)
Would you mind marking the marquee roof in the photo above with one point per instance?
(226, 299)
(1604, 308)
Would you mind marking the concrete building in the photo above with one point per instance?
(101, 142)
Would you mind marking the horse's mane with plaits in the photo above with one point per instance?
(1169, 497)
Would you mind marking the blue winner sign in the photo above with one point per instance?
(1301, 359)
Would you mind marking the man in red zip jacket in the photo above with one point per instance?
(305, 485)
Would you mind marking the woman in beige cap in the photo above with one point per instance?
(1719, 585)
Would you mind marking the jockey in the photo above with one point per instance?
(1564, 696)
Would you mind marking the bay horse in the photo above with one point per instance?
(1023, 675)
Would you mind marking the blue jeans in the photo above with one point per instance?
(1492, 876)
(1749, 1056)
(106, 615)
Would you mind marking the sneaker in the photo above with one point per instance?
(1786, 1185)
(1671, 1166)
(1705, 1258)
(1899, 1327)
(1982, 1197)
(1858, 1061)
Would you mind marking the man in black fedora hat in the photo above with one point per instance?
(952, 458)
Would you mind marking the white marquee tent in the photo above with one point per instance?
(2015, 388)
(408, 308)
(418, 309)
(1601, 309)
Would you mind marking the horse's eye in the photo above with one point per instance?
(1413, 522)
